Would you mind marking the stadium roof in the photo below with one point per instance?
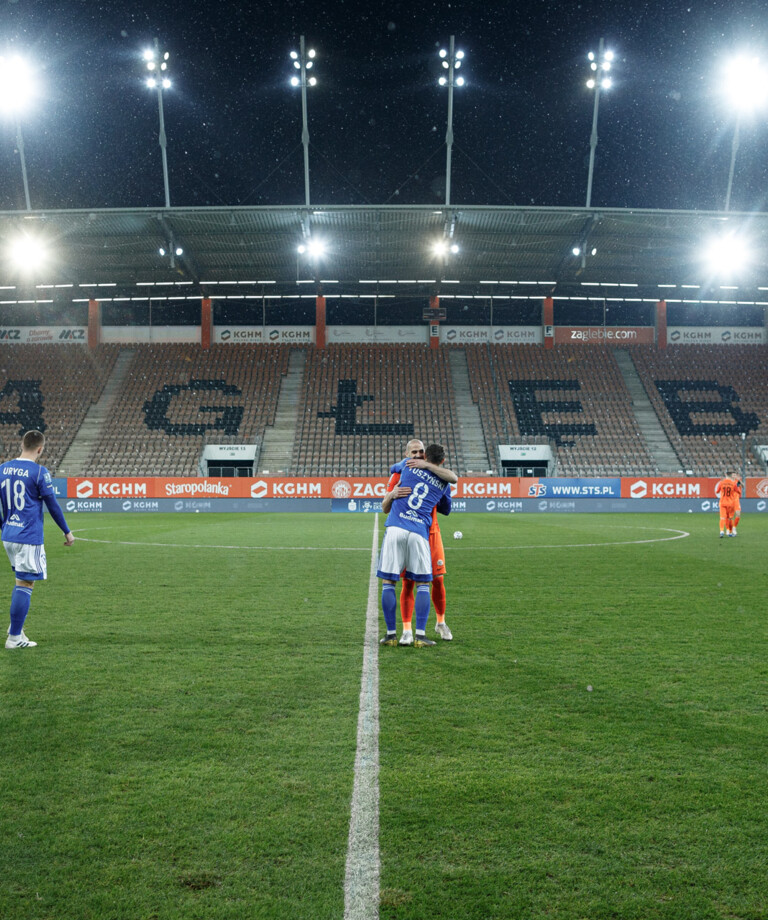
(502, 251)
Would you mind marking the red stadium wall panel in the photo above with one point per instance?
(358, 487)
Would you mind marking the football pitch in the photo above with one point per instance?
(593, 744)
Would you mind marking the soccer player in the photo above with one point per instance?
(24, 487)
(414, 450)
(727, 490)
(737, 506)
(406, 542)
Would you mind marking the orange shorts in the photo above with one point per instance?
(438, 553)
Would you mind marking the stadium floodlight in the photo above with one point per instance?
(599, 65)
(444, 247)
(451, 61)
(27, 253)
(727, 255)
(314, 248)
(303, 60)
(745, 89)
(17, 90)
(158, 80)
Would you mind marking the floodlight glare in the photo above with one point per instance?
(459, 55)
(312, 81)
(149, 54)
(454, 248)
(442, 81)
(443, 53)
(591, 56)
(166, 83)
(316, 248)
(727, 256)
(151, 65)
(459, 81)
(591, 84)
(297, 65)
(295, 81)
(294, 56)
(576, 250)
(27, 253)
(309, 65)
(609, 55)
(151, 83)
(179, 251)
(607, 83)
(301, 249)
(440, 248)
(745, 83)
(311, 53)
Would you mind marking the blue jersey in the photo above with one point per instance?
(24, 487)
(414, 512)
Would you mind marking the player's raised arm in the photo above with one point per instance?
(441, 472)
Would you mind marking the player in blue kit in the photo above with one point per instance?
(24, 487)
(406, 543)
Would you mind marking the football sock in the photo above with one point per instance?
(422, 607)
(20, 601)
(406, 602)
(438, 598)
(389, 607)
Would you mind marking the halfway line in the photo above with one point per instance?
(361, 882)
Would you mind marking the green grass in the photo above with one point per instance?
(181, 744)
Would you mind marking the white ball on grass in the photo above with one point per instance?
(457, 535)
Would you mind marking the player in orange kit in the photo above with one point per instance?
(737, 506)
(414, 451)
(727, 490)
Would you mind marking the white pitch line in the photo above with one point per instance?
(361, 881)
(330, 549)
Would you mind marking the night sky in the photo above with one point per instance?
(377, 116)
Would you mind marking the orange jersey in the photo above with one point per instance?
(728, 491)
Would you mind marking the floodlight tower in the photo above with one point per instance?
(746, 89)
(599, 80)
(451, 60)
(303, 61)
(158, 79)
(16, 90)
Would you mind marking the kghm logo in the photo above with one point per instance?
(638, 489)
(726, 336)
(225, 335)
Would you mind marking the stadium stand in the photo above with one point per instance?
(362, 403)
(177, 398)
(705, 396)
(51, 388)
(572, 397)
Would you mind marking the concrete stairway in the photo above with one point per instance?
(73, 463)
(656, 440)
(470, 428)
(277, 447)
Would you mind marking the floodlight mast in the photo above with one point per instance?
(451, 62)
(159, 62)
(599, 65)
(20, 146)
(303, 62)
